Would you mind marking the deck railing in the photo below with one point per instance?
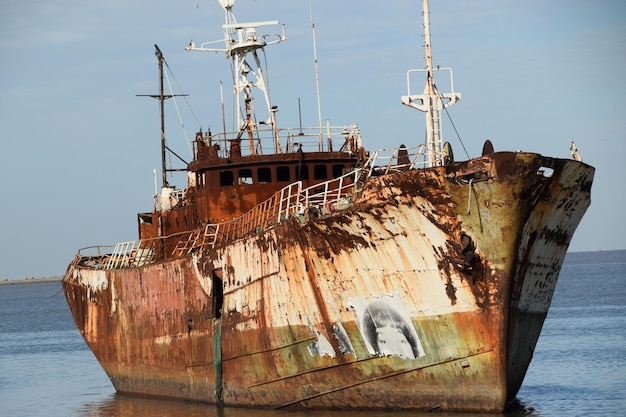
(318, 200)
(264, 139)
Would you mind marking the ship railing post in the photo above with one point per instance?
(125, 255)
(275, 210)
(207, 236)
(129, 253)
(372, 162)
(226, 231)
(338, 192)
(280, 205)
(114, 256)
(240, 224)
(304, 194)
(120, 255)
(329, 135)
(210, 234)
(295, 197)
(340, 188)
(108, 264)
(289, 203)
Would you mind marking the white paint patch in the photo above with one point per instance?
(163, 340)
(345, 346)
(205, 282)
(321, 347)
(93, 279)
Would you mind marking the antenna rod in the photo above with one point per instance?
(300, 115)
(223, 113)
(317, 78)
(428, 57)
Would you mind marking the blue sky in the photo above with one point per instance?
(78, 146)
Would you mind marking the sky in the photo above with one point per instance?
(79, 147)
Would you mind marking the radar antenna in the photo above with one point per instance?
(242, 42)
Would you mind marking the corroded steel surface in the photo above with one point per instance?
(428, 292)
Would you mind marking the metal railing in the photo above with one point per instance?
(397, 159)
(319, 200)
(264, 139)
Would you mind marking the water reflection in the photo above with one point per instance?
(117, 405)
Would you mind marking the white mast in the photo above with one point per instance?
(317, 78)
(241, 41)
(431, 100)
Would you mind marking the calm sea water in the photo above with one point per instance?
(579, 367)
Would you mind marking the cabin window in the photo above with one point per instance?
(302, 172)
(227, 178)
(319, 172)
(265, 175)
(245, 176)
(337, 171)
(282, 174)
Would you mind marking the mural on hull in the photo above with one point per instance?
(386, 328)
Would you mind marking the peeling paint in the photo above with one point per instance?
(323, 276)
(309, 303)
(321, 347)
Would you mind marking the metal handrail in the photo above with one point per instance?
(292, 200)
(308, 139)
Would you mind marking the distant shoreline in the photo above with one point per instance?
(54, 279)
(29, 280)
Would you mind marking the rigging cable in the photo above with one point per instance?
(176, 105)
(451, 122)
(178, 113)
(184, 96)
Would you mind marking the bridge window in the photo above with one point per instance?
(245, 176)
(282, 173)
(227, 178)
(338, 171)
(319, 172)
(265, 175)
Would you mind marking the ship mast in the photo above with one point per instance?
(162, 97)
(241, 43)
(431, 101)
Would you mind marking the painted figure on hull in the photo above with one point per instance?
(386, 328)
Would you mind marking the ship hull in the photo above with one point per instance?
(427, 293)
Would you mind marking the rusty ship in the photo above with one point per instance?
(298, 270)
